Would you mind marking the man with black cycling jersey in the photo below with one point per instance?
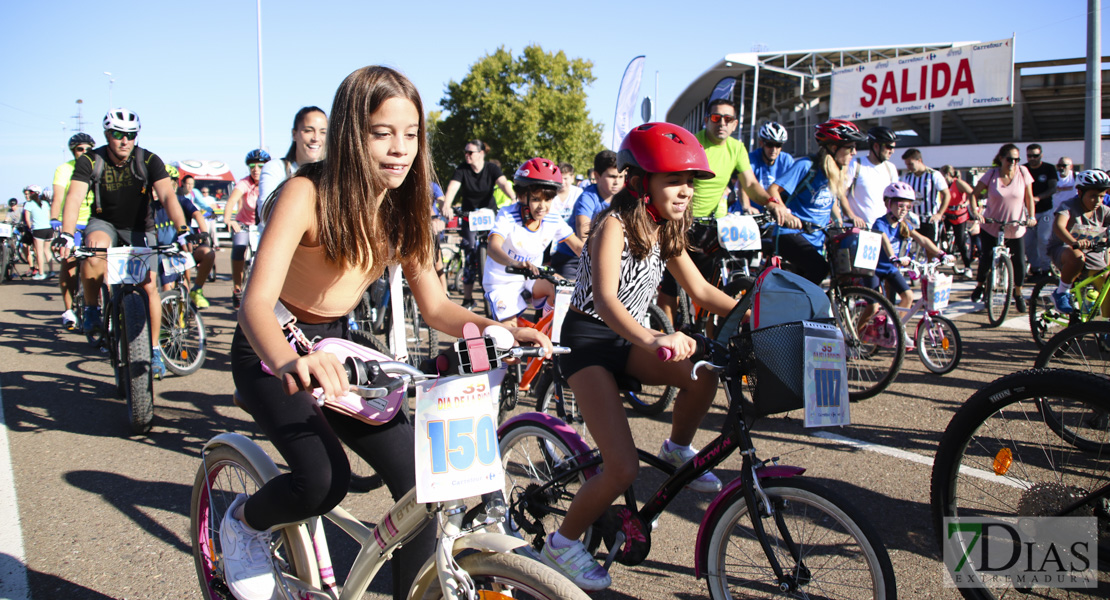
(725, 154)
(474, 180)
(121, 176)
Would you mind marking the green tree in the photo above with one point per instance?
(526, 106)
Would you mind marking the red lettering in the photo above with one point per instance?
(869, 89)
(963, 79)
(939, 90)
(890, 90)
(906, 95)
(924, 87)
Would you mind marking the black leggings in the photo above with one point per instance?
(1017, 256)
(964, 242)
(796, 249)
(308, 438)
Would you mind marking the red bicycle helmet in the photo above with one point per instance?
(663, 148)
(839, 130)
(539, 171)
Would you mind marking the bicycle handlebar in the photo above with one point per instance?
(545, 273)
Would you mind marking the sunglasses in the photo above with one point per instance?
(888, 146)
(772, 145)
(1012, 159)
(82, 148)
(120, 135)
(1062, 166)
(1033, 155)
(469, 152)
(253, 165)
(717, 118)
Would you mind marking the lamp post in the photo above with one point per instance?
(110, 82)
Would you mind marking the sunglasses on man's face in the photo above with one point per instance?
(888, 146)
(120, 135)
(1062, 167)
(717, 118)
(253, 165)
(1037, 155)
(82, 149)
(772, 145)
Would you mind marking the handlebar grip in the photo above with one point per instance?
(664, 353)
(701, 348)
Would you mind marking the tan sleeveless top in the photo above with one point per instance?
(318, 287)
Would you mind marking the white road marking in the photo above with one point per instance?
(13, 564)
(917, 458)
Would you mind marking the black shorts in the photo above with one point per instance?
(894, 283)
(43, 234)
(592, 343)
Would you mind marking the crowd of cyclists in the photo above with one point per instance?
(356, 192)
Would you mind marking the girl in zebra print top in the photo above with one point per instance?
(643, 230)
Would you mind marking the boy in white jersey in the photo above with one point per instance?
(519, 237)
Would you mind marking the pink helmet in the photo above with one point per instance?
(900, 190)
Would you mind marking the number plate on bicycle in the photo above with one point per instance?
(253, 235)
(940, 287)
(5, 230)
(128, 264)
(867, 253)
(826, 376)
(456, 438)
(481, 220)
(737, 232)
(177, 263)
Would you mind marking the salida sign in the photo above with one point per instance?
(960, 77)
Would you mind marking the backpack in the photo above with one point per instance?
(785, 297)
(138, 171)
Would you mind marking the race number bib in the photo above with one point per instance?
(867, 252)
(128, 264)
(562, 304)
(939, 289)
(179, 263)
(826, 378)
(481, 220)
(456, 438)
(253, 235)
(737, 232)
(5, 230)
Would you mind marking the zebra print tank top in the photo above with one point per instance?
(639, 280)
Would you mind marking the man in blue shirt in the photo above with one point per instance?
(769, 162)
(594, 199)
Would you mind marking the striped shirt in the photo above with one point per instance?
(638, 284)
(927, 185)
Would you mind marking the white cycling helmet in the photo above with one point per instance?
(47, 192)
(1092, 179)
(34, 189)
(773, 132)
(121, 119)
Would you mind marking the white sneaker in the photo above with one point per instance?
(69, 320)
(248, 566)
(707, 482)
(576, 564)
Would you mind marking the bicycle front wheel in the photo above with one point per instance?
(874, 336)
(1086, 348)
(504, 576)
(999, 290)
(182, 337)
(938, 344)
(225, 474)
(826, 548)
(1044, 320)
(999, 458)
(653, 399)
(135, 350)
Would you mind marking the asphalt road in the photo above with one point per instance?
(104, 514)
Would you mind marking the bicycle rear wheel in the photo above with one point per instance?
(653, 399)
(1044, 320)
(874, 337)
(1086, 348)
(182, 336)
(5, 260)
(825, 546)
(999, 290)
(999, 458)
(224, 474)
(135, 349)
(938, 344)
(505, 576)
(423, 340)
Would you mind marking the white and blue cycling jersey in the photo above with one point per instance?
(521, 243)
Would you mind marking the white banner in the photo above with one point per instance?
(626, 100)
(962, 77)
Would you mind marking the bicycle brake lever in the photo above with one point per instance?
(708, 365)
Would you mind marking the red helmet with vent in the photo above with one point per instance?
(539, 171)
(839, 130)
(663, 148)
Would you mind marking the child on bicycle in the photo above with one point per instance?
(1080, 222)
(642, 231)
(331, 230)
(519, 237)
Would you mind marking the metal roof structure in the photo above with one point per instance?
(793, 88)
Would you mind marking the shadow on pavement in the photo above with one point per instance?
(130, 496)
(45, 585)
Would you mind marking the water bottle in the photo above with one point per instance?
(1091, 296)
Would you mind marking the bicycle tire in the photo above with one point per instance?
(135, 350)
(5, 261)
(481, 271)
(838, 538)
(206, 512)
(871, 367)
(182, 336)
(684, 312)
(454, 270)
(652, 400)
(533, 455)
(79, 307)
(1084, 348)
(999, 290)
(507, 576)
(106, 335)
(997, 458)
(939, 346)
(423, 340)
(1044, 319)
(371, 341)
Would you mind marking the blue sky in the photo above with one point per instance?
(189, 68)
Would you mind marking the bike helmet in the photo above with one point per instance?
(541, 172)
(773, 132)
(663, 148)
(899, 190)
(881, 135)
(34, 189)
(12, 202)
(121, 119)
(258, 156)
(47, 192)
(1092, 179)
(838, 130)
(81, 138)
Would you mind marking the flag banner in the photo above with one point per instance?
(626, 100)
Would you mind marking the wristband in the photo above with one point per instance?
(774, 200)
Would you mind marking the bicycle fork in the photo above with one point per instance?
(761, 507)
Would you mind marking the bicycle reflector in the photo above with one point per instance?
(1002, 461)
